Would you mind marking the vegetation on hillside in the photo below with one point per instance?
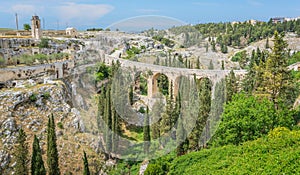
(276, 153)
(251, 127)
(242, 33)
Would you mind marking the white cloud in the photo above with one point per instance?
(83, 12)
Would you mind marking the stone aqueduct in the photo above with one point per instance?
(68, 68)
(173, 74)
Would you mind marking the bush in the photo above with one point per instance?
(247, 118)
(33, 97)
(276, 153)
(46, 95)
(154, 169)
(60, 125)
(2, 62)
(142, 110)
(44, 43)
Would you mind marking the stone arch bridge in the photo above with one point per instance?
(173, 74)
(70, 67)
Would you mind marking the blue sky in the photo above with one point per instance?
(101, 13)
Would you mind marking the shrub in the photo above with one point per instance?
(44, 43)
(2, 62)
(276, 153)
(33, 97)
(60, 125)
(46, 95)
(154, 169)
(142, 110)
(247, 118)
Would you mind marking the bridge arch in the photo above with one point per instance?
(140, 85)
(178, 85)
(159, 82)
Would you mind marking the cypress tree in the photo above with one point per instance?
(276, 77)
(108, 120)
(249, 80)
(37, 163)
(21, 154)
(146, 131)
(205, 105)
(86, 170)
(180, 137)
(52, 153)
(131, 95)
(223, 65)
(180, 130)
(267, 43)
(156, 116)
(198, 64)
(231, 86)
(101, 109)
(116, 128)
(211, 65)
(204, 92)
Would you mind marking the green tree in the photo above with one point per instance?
(276, 77)
(204, 91)
(163, 84)
(154, 169)
(52, 153)
(37, 163)
(26, 27)
(156, 116)
(211, 65)
(146, 131)
(247, 118)
(131, 95)
(102, 72)
(224, 48)
(21, 154)
(86, 170)
(231, 86)
(108, 120)
(250, 79)
(267, 43)
(198, 63)
(213, 46)
(44, 43)
(116, 128)
(223, 65)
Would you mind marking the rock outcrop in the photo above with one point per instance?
(29, 107)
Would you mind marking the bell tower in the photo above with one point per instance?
(36, 30)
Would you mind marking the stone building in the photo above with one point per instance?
(36, 30)
(71, 31)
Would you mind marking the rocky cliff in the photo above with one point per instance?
(29, 107)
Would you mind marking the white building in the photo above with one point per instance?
(71, 31)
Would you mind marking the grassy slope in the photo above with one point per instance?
(278, 153)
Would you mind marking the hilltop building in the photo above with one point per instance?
(71, 31)
(282, 19)
(36, 30)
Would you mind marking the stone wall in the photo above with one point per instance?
(16, 42)
(40, 72)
